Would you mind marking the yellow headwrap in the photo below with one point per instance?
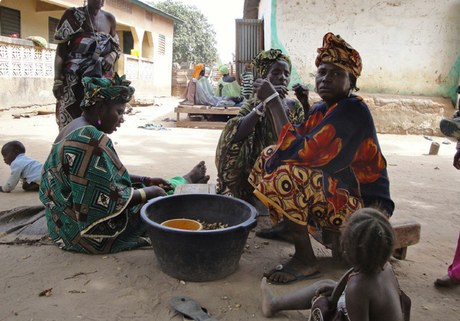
(197, 71)
(338, 52)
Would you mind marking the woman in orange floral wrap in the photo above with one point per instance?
(321, 172)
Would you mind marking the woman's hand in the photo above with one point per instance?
(301, 92)
(154, 191)
(263, 89)
(156, 181)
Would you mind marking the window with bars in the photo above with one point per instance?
(161, 44)
(10, 22)
(52, 25)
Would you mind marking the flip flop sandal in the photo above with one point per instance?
(295, 274)
(190, 308)
(186, 318)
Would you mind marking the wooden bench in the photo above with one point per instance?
(203, 110)
(407, 233)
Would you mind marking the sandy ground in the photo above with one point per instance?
(131, 286)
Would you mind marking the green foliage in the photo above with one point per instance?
(194, 38)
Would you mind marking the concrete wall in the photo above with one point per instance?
(409, 47)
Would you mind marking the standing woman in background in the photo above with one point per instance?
(88, 46)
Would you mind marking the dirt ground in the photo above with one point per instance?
(131, 286)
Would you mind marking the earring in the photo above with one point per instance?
(84, 3)
(99, 123)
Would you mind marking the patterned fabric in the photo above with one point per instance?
(234, 160)
(265, 59)
(86, 50)
(197, 71)
(247, 81)
(338, 52)
(325, 169)
(86, 191)
(104, 89)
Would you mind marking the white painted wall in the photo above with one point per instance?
(407, 46)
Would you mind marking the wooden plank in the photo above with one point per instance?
(213, 111)
(201, 124)
(196, 189)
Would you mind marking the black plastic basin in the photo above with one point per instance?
(204, 255)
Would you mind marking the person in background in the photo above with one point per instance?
(227, 85)
(199, 91)
(23, 168)
(247, 80)
(88, 46)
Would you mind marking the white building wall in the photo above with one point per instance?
(407, 46)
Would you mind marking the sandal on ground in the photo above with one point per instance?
(190, 309)
(446, 282)
(297, 276)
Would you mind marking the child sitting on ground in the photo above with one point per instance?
(22, 168)
(372, 291)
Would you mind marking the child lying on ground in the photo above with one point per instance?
(22, 168)
(372, 291)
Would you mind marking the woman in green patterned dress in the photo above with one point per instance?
(92, 202)
(245, 136)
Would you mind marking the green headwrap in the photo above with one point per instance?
(224, 70)
(265, 59)
(117, 89)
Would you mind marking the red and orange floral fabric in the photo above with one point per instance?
(325, 169)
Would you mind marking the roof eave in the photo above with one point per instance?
(155, 10)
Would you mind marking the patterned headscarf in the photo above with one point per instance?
(265, 59)
(338, 52)
(106, 90)
(197, 71)
(224, 70)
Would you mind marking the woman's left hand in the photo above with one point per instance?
(301, 92)
(156, 181)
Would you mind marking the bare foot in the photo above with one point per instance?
(197, 174)
(204, 180)
(268, 299)
(293, 270)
